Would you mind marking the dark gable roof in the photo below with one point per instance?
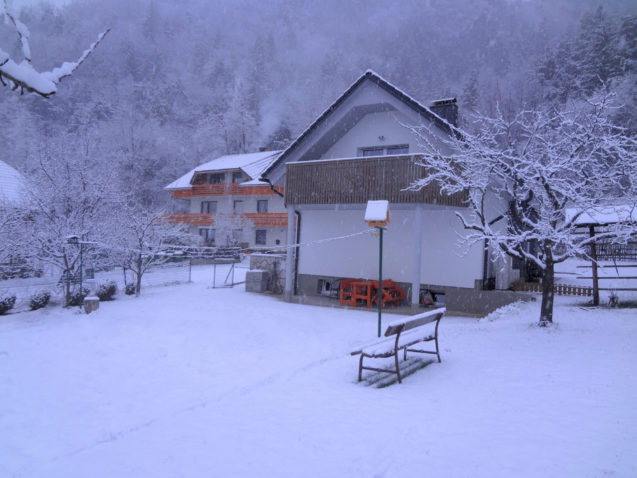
(384, 84)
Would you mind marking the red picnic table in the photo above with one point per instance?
(354, 290)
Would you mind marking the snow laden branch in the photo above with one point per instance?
(22, 74)
(521, 174)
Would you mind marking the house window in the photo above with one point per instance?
(384, 150)
(373, 151)
(237, 176)
(208, 236)
(260, 237)
(216, 178)
(262, 205)
(208, 207)
(237, 206)
(400, 149)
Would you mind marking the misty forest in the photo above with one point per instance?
(177, 83)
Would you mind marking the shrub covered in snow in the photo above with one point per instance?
(129, 289)
(106, 291)
(77, 297)
(39, 300)
(6, 303)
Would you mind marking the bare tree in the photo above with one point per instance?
(529, 169)
(23, 75)
(141, 239)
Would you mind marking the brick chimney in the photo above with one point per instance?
(446, 109)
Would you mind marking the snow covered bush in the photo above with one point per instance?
(106, 291)
(39, 300)
(129, 289)
(77, 297)
(6, 303)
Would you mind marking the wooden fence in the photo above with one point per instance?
(559, 289)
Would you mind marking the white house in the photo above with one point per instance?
(361, 148)
(224, 201)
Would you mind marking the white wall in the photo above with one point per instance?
(444, 261)
(367, 131)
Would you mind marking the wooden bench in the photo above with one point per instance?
(402, 334)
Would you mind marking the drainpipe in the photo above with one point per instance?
(271, 187)
(298, 252)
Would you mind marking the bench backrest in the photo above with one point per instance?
(414, 321)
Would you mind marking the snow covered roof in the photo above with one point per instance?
(377, 210)
(604, 215)
(386, 85)
(12, 184)
(252, 164)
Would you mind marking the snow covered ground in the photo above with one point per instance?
(191, 381)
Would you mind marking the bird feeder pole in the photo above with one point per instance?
(377, 215)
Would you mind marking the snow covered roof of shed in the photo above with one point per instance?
(374, 77)
(604, 215)
(12, 184)
(253, 164)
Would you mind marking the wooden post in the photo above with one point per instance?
(591, 229)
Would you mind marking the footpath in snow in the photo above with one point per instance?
(193, 381)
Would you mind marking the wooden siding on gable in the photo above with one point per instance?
(356, 181)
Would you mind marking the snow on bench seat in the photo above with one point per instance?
(401, 335)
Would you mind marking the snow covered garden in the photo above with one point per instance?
(188, 380)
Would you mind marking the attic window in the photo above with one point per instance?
(209, 178)
(384, 150)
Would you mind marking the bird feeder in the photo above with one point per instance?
(377, 213)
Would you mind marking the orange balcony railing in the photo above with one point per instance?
(225, 189)
(258, 219)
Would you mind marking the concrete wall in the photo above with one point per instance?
(458, 300)
(444, 260)
(274, 265)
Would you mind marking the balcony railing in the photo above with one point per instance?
(258, 219)
(358, 180)
(224, 189)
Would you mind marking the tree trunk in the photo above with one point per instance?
(548, 281)
(138, 285)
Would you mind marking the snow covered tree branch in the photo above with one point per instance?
(23, 75)
(532, 169)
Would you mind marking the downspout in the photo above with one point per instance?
(298, 251)
(271, 186)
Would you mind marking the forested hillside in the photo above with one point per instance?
(178, 82)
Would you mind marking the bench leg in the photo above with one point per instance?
(360, 368)
(397, 368)
(437, 349)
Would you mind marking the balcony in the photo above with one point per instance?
(224, 189)
(258, 219)
(358, 180)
